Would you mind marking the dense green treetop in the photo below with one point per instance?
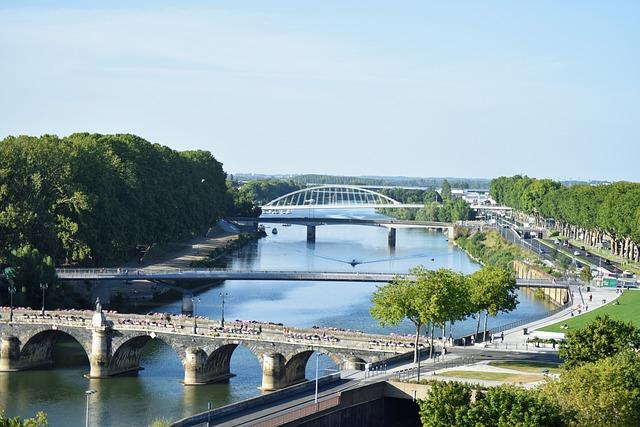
(601, 393)
(611, 208)
(90, 199)
(603, 337)
(451, 404)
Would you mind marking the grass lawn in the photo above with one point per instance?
(523, 366)
(492, 376)
(628, 311)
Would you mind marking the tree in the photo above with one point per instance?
(601, 393)
(401, 299)
(160, 422)
(585, 274)
(433, 298)
(507, 405)
(603, 337)
(32, 268)
(446, 298)
(40, 420)
(447, 404)
(493, 290)
(445, 191)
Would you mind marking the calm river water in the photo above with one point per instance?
(156, 391)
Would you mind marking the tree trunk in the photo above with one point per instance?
(478, 325)
(433, 326)
(486, 319)
(415, 348)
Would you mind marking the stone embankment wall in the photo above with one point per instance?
(525, 270)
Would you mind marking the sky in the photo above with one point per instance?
(412, 88)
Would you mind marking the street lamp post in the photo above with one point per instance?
(12, 290)
(195, 301)
(44, 287)
(222, 295)
(88, 393)
(316, 395)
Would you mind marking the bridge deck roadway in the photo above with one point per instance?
(221, 274)
(283, 219)
(265, 332)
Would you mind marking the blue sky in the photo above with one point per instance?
(466, 88)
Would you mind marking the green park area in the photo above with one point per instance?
(492, 376)
(628, 310)
(527, 366)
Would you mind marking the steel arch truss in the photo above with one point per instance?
(331, 197)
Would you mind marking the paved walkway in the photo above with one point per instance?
(514, 339)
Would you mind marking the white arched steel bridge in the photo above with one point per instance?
(334, 197)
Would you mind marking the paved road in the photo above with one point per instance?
(356, 379)
(535, 245)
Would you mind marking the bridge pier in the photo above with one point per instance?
(194, 366)
(311, 233)
(451, 233)
(274, 372)
(392, 237)
(100, 357)
(9, 354)
(354, 364)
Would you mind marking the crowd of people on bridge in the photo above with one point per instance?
(293, 336)
(393, 344)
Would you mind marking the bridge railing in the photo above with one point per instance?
(298, 413)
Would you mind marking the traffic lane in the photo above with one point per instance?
(258, 412)
(485, 354)
(592, 259)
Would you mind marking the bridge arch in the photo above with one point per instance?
(331, 196)
(217, 366)
(37, 349)
(127, 352)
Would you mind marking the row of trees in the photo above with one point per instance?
(95, 200)
(436, 298)
(249, 196)
(599, 385)
(442, 207)
(586, 212)
(90, 199)
(389, 180)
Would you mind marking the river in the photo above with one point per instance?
(156, 390)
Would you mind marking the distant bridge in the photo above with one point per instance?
(312, 223)
(343, 197)
(334, 197)
(224, 274)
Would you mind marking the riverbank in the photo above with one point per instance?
(141, 296)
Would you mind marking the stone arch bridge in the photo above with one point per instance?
(114, 342)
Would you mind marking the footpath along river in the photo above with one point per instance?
(156, 391)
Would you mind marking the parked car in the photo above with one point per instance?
(582, 248)
(576, 253)
(556, 242)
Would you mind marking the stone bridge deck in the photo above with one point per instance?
(113, 343)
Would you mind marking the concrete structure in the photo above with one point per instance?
(222, 274)
(312, 223)
(114, 342)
